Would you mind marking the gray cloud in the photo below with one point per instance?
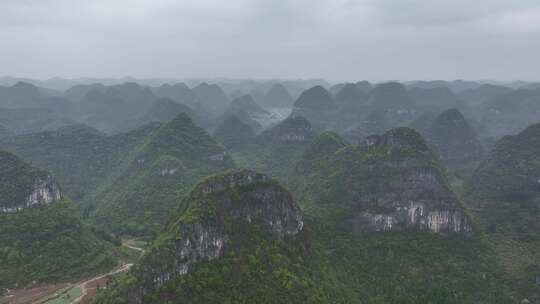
(335, 39)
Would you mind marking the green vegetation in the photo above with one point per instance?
(276, 150)
(334, 180)
(161, 170)
(80, 158)
(49, 243)
(504, 197)
(259, 270)
(257, 265)
(16, 179)
(66, 297)
(329, 261)
(233, 133)
(396, 267)
(144, 184)
(336, 173)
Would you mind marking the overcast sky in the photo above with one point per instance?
(332, 39)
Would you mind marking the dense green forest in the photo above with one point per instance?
(362, 194)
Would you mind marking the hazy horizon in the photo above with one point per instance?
(261, 39)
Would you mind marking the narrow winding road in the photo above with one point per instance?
(84, 285)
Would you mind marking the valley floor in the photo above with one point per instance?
(69, 293)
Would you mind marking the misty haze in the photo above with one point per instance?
(257, 151)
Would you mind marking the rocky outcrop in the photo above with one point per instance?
(43, 191)
(389, 182)
(416, 194)
(203, 232)
(23, 186)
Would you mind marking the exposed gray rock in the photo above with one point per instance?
(391, 181)
(202, 233)
(43, 191)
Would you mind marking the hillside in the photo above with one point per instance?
(277, 97)
(80, 157)
(238, 239)
(504, 194)
(451, 135)
(315, 99)
(384, 216)
(167, 165)
(249, 112)
(512, 168)
(233, 133)
(42, 239)
(30, 120)
(510, 112)
(391, 182)
(107, 109)
(212, 98)
(164, 110)
(179, 92)
(351, 97)
(435, 99)
(275, 150)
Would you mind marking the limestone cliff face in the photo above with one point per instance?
(23, 186)
(203, 231)
(43, 191)
(390, 182)
(413, 193)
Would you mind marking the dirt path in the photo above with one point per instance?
(84, 285)
(133, 247)
(89, 287)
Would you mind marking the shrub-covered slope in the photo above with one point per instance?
(166, 165)
(391, 182)
(504, 193)
(233, 133)
(387, 226)
(80, 157)
(238, 238)
(41, 237)
(276, 150)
